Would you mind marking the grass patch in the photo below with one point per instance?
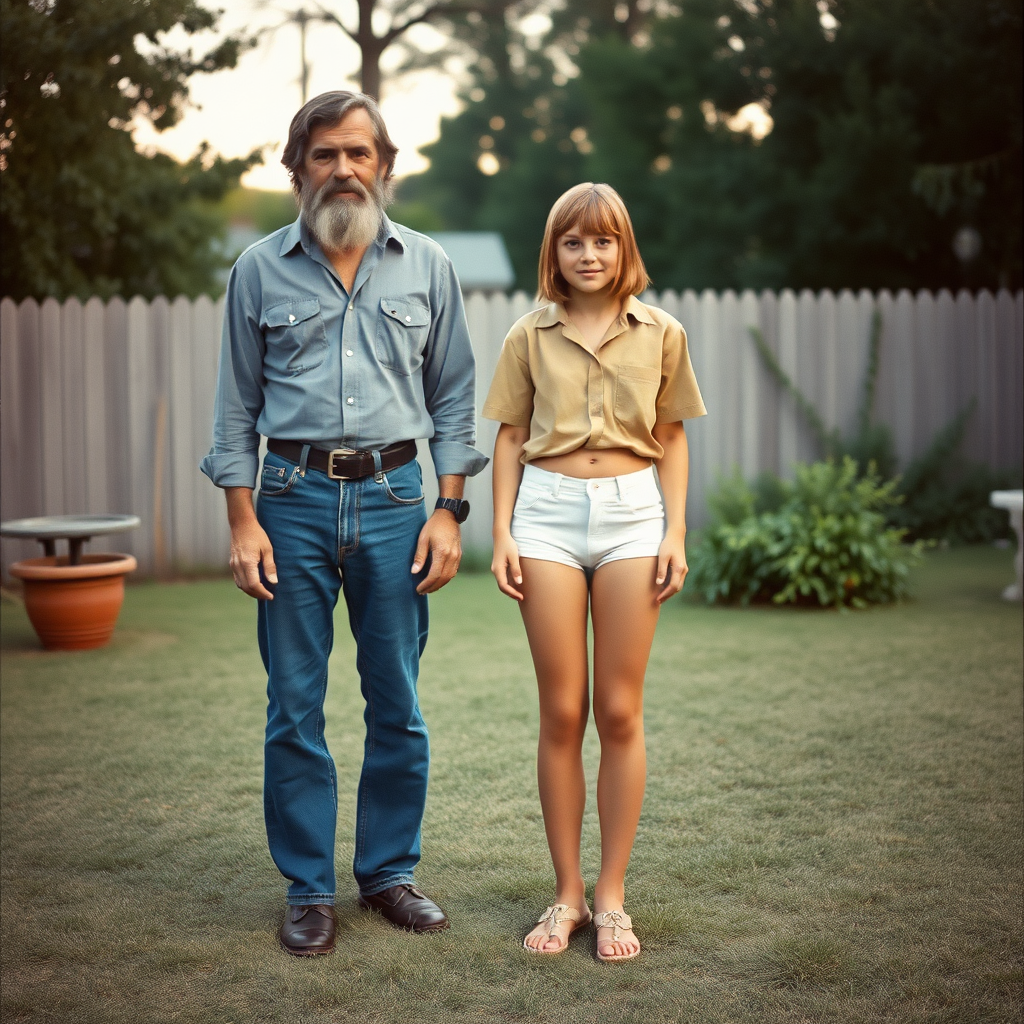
(832, 828)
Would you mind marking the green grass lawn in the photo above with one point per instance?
(832, 829)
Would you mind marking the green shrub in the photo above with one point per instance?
(826, 542)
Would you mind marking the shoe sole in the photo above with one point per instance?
(305, 952)
(444, 926)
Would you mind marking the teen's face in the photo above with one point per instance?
(589, 263)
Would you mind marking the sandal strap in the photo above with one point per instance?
(617, 920)
(556, 914)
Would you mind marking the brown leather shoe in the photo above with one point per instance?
(308, 930)
(407, 907)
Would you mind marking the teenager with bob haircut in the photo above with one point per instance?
(591, 391)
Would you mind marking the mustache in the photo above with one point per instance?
(353, 185)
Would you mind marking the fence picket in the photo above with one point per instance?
(94, 396)
(52, 407)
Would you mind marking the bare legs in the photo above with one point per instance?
(555, 614)
(625, 614)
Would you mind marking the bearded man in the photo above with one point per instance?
(344, 341)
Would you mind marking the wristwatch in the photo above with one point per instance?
(457, 507)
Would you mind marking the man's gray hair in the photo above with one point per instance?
(325, 111)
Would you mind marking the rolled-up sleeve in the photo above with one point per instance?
(449, 374)
(233, 461)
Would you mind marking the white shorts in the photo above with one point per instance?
(587, 523)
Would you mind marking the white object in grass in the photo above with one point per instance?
(1013, 502)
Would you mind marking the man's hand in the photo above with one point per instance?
(441, 539)
(250, 546)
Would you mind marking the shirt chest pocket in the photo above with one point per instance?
(402, 329)
(296, 336)
(636, 395)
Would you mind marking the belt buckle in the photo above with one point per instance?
(330, 462)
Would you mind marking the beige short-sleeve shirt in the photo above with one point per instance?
(547, 379)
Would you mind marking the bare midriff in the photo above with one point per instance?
(588, 463)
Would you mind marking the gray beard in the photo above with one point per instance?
(339, 224)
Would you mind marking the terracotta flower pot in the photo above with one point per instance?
(74, 607)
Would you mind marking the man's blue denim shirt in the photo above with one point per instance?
(302, 360)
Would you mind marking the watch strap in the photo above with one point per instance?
(457, 506)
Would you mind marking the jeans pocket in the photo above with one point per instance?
(405, 488)
(276, 480)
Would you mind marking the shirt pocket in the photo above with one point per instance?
(636, 395)
(296, 336)
(402, 329)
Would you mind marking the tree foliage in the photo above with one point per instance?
(82, 211)
(895, 123)
(521, 139)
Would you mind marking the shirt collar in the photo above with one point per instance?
(555, 313)
(298, 234)
(638, 311)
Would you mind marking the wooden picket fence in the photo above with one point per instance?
(107, 407)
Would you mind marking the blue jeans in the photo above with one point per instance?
(357, 535)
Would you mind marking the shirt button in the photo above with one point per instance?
(408, 319)
(350, 401)
(349, 352)
(350, 305)
(291, 318)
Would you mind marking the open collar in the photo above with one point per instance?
(554, 313)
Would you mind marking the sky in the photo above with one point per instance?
(251, 105)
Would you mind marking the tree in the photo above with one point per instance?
(521, 139)
(82, 211)
(396, 17)
(896, 123)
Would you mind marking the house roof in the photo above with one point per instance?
(479, 257)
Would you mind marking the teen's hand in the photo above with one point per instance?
(672, 567)
(505, 566)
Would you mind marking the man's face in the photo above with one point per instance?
(341, 154)
(341, 194)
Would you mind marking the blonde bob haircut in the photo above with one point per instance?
(592, 209)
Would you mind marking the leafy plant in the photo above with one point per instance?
(827, 544)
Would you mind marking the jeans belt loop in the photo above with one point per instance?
(378, 471)
(558, 483)
(302, 459)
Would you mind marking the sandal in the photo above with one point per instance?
(553, 917)
(619, 921)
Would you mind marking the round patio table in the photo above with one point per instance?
(76, 530)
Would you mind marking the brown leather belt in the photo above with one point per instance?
(345, 463)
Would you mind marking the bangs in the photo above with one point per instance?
(592, 209)
(590, 213)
